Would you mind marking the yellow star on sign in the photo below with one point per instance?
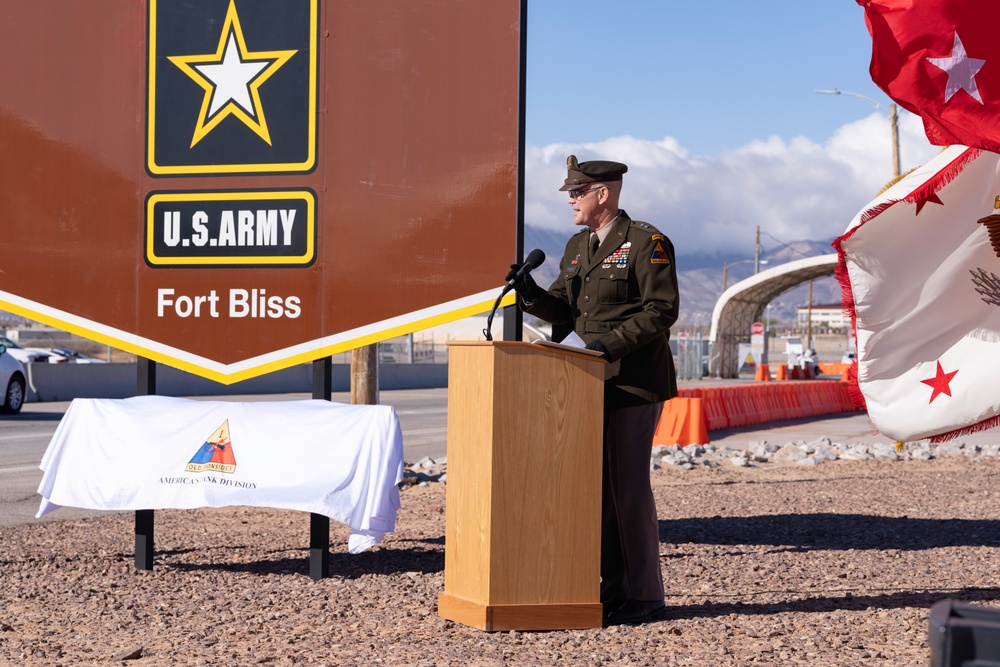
(232, 77)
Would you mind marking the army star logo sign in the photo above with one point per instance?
(232, 86)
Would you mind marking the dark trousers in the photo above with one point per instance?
(630, 540)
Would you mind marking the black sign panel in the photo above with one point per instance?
(265, 228)
(232, 86)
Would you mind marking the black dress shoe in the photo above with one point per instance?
(636, 611)
(611, 606)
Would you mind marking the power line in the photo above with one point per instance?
(786, 245)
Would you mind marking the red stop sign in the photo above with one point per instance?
(757, 328)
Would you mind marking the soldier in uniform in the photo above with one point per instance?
(617, 289)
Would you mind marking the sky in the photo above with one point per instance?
(713, 107)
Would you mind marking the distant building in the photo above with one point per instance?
(824, 316)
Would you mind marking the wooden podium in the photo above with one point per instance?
(523, 516)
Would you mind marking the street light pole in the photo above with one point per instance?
(725, 268)
(893, 123)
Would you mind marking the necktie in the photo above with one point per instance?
(594, 242)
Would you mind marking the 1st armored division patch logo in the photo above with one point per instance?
(215, 454)
(232, 86)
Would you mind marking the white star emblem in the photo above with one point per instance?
(961, 71)
(231, 78)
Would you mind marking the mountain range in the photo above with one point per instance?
(700, 276)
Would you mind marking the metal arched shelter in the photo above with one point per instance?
(743, 304)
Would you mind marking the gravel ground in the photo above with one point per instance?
(764, 565)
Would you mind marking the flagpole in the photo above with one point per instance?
(893, 123)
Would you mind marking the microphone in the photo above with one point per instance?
(531, 262)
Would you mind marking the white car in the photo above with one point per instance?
(25, 355)
(58, 355)
(11, 383)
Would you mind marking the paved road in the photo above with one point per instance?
(423, 416)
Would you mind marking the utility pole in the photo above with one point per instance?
(364, 375)
(894, 121)
(756, 252)
(809, 319)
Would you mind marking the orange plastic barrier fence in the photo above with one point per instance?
(833, 368)
(689, 418)
(733, 415)
(682, 422)
(715, 411)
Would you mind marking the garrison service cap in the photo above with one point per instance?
(592, 171)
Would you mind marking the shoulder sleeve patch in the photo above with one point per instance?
(659, 255)
(657, 237)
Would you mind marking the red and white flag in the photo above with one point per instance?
(940, 59)
(921, 274)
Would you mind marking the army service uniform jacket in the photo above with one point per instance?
(627, 298)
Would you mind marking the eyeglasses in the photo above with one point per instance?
(581, 193)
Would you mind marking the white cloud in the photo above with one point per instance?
(794, 189)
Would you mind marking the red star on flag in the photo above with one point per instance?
(930, 199)
(925, 194)
(940, 382)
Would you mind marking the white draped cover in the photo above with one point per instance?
(157, 452)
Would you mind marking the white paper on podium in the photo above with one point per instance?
(573, 340)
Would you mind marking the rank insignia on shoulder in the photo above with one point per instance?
(659, 255)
